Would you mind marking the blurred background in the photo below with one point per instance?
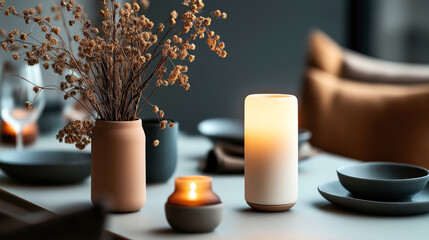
(266, 45)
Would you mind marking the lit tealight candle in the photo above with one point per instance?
(193, 206)
(193, 191)
(271, 151)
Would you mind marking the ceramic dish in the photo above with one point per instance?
(46, 167)
(230, 130)
(335, 193)
(383, 180)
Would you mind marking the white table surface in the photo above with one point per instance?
(311, 218)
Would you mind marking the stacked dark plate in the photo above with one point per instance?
(46, 167)
(380, 188)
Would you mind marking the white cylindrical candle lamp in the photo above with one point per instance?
(271, 151)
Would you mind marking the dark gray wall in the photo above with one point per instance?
(400, 30)
(266, 43)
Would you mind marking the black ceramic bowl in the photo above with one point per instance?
(46, 167)
(383, 180)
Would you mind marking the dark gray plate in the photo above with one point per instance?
(339, 196)
(46, 167)
(230, 130)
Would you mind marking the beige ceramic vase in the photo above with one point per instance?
(118, 172)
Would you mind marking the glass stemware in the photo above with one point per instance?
(14, 92)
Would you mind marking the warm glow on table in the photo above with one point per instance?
(29, 132)
(193, 191)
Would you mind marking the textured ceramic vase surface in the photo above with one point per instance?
(118, 174)
(161, 161)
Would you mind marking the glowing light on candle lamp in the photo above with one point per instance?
(271, 151)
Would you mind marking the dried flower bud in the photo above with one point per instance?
(76, 38)
(39, 9)
(155, 143)
(23, 36)
(27, 105)
(56, 30)
(161, 113)
(136, 7)
(172, 124)
(4, 46)
(221, 45)
(36, 89)
(224, 15)
(87, 24)
(163, 124)
(161, 27)
(46, 65)
(15, 56)
(145, 4)
(186, 86)
(72, 22)
(158, 82)
(54, 8)
(155, 109)
(79, 8)
(216, 13)
(172, 21)
(95, 30)
(191, 58)
(44, 28)
(2, 32)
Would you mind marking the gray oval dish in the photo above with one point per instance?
(46, 167)
(229, 130)
(383, 180)
(335, 193)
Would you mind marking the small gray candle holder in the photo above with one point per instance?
(195, 219)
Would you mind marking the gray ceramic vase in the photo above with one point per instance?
(161, 161)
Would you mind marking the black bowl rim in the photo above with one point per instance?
(77, 161)
(384, 180)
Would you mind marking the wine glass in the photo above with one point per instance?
(15, 91)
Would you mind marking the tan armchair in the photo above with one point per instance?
(364, 108)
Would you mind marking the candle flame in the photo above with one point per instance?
(193, 194)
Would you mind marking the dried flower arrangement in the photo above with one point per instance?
(116, 62)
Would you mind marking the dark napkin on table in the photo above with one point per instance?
(229, 158)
